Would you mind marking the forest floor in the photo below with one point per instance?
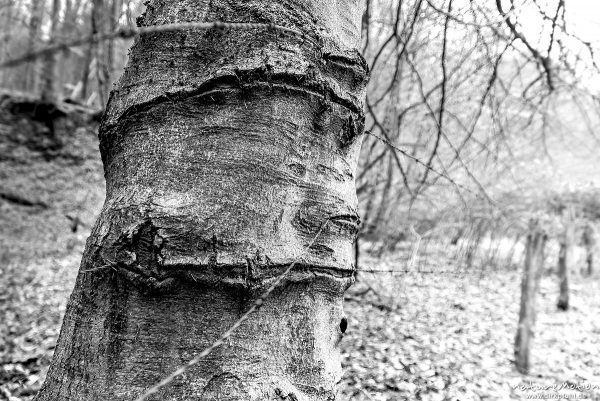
(415, 336)
(411, 336)
(449, 336)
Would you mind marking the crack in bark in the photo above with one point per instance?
(137, 257)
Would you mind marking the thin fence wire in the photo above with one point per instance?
(130, 32)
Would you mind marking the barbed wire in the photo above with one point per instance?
(130, 32)
(408, 271)
(433, 170)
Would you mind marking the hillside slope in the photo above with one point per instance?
(51, 189)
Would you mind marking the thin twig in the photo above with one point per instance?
(544, 61)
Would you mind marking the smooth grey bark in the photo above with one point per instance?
(226, 153)
(530, 282)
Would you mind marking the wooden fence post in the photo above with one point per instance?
(565, 259)
(534, 260)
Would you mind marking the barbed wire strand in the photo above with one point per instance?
(408, 271)
(422, 163)
(130, 32)
(255, 306)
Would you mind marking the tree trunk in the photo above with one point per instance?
(102, 24)
(391, 125)
(70, 63)
(473, 245)
(85, 73)
(48, 92)
(565, 255)
(115, 14)
(511, 253)
(589, 242)
(227, 153)
(7, 24)
(532, 272)
(91, 51)
(35, 23)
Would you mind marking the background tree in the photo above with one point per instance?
(565, 257)
(35, 23)
(475, 97)
(48, 90)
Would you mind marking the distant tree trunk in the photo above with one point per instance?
(35, 23)
(589, 242)
(534, 260)
(384, 204)
(391, 125)
(6, 21)
(511, 253)
(565, 256)
(87, 61)
(49, 91)
(366, 22)
(91, 53)
(115, 14)
(102, 57)
(128, 13)
(473, 245)
(69, 63)
(228, 155)
(491, 251)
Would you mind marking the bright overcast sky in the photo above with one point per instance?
(583, 20)
(584, 17)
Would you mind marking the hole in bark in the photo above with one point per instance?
(343, 325)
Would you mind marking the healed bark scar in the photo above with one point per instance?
(137, 256)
